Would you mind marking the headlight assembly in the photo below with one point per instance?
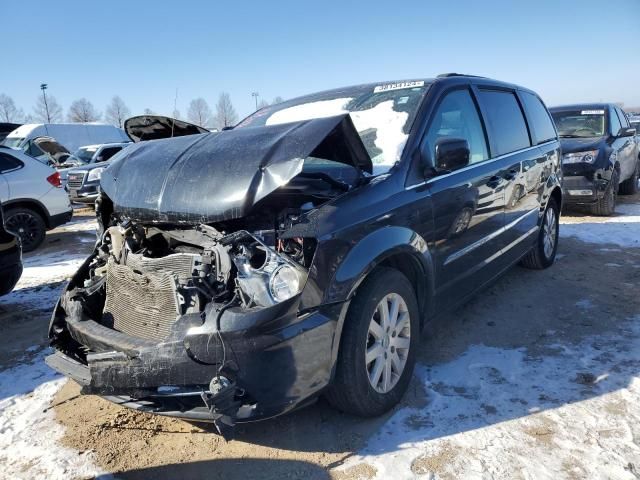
(266, 277)
(588, 156)
(95, 174)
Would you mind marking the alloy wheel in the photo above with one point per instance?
(549, 232)
(388, 341)
(25, 226)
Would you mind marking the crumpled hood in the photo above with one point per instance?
(571, 145)
(214, 177)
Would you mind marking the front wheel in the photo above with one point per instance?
(607, 204)
(543, 254)
(379, 341)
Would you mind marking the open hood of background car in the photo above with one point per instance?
(220, 176)
(154, 127)
(50, 145)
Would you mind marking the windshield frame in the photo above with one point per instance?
(577, 113)
(357, 96)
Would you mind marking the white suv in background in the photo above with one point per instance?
(32, 197)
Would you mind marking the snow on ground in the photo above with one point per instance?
(623, 229)
(531, 426)
(536, 424)
(29, 435)
(44, 275)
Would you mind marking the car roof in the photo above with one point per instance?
(581, 106)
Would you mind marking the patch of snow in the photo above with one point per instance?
(308, 111)
(387, 123)
(623, 229)
(505, 413)
(29, 436)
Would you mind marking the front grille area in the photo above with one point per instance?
(75, 180)
(139, 304)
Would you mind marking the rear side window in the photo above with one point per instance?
(457, 117)
(540, 120)
(8, 163)
(507, 128)
(614, 121)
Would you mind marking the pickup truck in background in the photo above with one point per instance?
(600, 155)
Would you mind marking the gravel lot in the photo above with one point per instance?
(537, 377)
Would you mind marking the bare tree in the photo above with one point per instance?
(199, 112)
(148, 111)
(226, 115)
(278, 99)
(40, 110)
(117, 112)
(262, 103)
(8, 111)
(82, 111)
(176, 114)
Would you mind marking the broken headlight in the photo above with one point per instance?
(266, 277)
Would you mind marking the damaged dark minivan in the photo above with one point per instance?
(241, 274)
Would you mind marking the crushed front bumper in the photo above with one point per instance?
(272, 360)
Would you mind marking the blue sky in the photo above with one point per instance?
(566, 50)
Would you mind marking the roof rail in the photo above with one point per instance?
(452, 74)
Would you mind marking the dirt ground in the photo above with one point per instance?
(530, 310)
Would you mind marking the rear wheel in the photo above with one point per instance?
(630, 185)
(607, 204)
(28, 225)
(543, 254)
(379, 341)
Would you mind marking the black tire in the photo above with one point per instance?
(607, 204)
(351, 390)
(537, 259)
(630, 185)
(28, 225)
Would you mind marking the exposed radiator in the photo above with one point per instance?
(141, 297)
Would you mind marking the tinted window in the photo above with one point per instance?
(457, 117)
(107, 153)
(614, 122)
(7, 162)
(506, 125)
(539, 118)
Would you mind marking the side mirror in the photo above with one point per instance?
(452, 153)
(626, 132)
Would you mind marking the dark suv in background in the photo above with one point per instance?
(600, 155)
(241, 274)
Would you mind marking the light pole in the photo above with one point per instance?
(43, 87)
(255, 95)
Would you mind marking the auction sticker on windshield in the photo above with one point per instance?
(592, 112)
(398, 86)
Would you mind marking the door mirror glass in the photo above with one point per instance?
(451, 153)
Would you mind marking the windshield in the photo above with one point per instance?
(85, 154)
(382, 114)
(580, 123)
(13, 142)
